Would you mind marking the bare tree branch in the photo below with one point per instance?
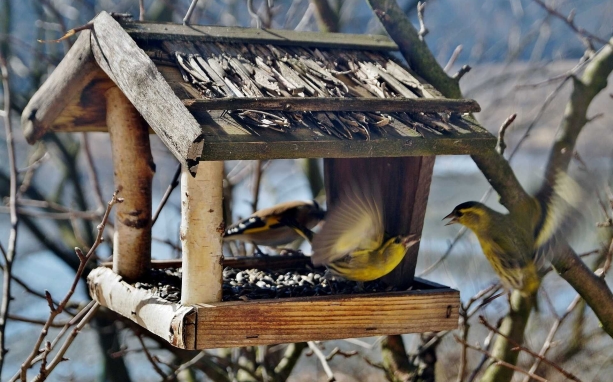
(499, 361)
(141, 10)
(9, 254)
(327, 17)
(190, 10)
(152, 361)
(453, 58)
(323, 360)
(91, 171)
(525, 349)
(57, 310)
(45, 370)
(501, 145)
(173, 184)
(570, 21)
(423, 31)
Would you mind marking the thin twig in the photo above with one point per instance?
(30, 170)
(453, 58)
(518, 346)
(16, 317)
(463, 359)
(155, 365)
(141, 10)
(77, 318)
(190, 10)
(91, 172)
(254, 15)
(322, 359)
(501, 145)
(173, 184)
(552, 332)
(499, 361)
(570, 21)
(189, 363)
(22, 283)
(423, 31)
(486, 345)
(463, 70)
(257, 180)
(338, 351)
(602, 271)
(55, 310)
(59, 357)
(86, 215)
(9, 254)
(486, 294)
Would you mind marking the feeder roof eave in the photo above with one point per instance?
(63, 103)
(193, 128)
(109, 54)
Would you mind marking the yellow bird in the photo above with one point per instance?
(278, 225)
(518, 245)
(352, 243)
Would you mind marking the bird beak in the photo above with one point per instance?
(453, 218)
(410, 241)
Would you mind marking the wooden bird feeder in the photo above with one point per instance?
(215, 93)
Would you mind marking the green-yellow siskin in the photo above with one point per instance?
(518, 244)
(352, 243)
(278, 225)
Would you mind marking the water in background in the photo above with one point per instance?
(456, 179)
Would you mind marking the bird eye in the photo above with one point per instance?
(459, 214)
(397, 240)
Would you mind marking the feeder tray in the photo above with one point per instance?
(215, 93)
(426, 307)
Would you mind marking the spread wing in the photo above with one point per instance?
(564, 205)
(356, 223)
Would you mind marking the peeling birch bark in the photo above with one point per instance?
(133, 169)
(202, 228)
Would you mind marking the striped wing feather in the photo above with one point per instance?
(356, 223)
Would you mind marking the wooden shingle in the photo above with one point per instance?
(217, 93)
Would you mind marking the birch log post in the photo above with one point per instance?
(133, 169)
(201, 232)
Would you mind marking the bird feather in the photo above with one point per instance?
(356, 223)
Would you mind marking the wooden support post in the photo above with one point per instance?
(133, 168)
(202, 228)
(405, 183)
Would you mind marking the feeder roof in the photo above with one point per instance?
(219, 93)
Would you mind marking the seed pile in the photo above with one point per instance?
(253, 284)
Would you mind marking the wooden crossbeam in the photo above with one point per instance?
(386, 105)
(158, 31)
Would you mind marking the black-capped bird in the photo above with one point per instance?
(278, 225)
(518, 244)
(352, 242)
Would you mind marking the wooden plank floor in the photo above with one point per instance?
(427, 307)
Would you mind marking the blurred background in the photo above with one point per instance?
(519, 55)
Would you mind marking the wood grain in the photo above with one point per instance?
(409, 105)
(133, 170)
(63, 87)
(138, 78)
(260, 322)
(265, 262)
(232, 324)
(168, 32)
(397, 179)
(201, 232)
(161, 317)
(422, 178)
